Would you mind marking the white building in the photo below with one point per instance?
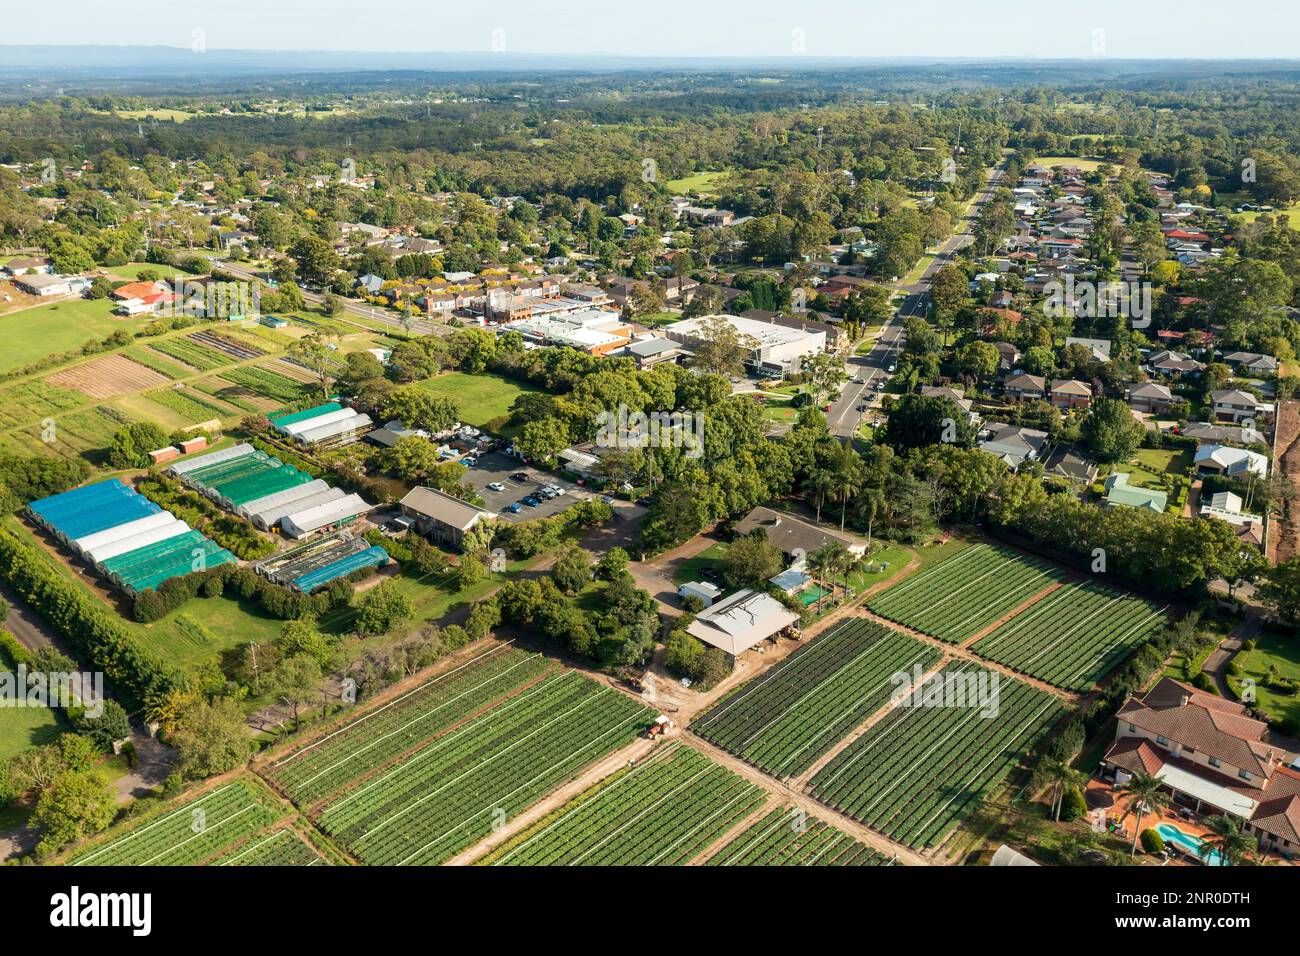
(742, 621)
(773, 349)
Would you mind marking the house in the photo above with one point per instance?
(29, 265)
(1118, 492)
(1012, 443)
(1251, 363)
(1212, 756)
(796, 537)
(1025, 388)
(1171, 364)
(954, 395)
(1226, 506)
(1149, 397)
(1068, 462)
(444, 519)
(742, 621)
(1008, 356)
(1238, 406)
(584, 464)
(706, 592)
(1229, 461)
(1100, 348)
(371, 283)
(1070, 393)
(138, 290)
(1220, 434)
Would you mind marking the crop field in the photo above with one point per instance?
(966, 593)
(378, 737)
(151, 359)
(29, 401)
(107, 376)
(194, 354)
(790, 837)
(449, 794)
(923, 768)
(191, 834)
(281, 848)
(662, 812)
(191, 404)
(1074, 636)
(228, 345)
(263, 381)
(786, 718)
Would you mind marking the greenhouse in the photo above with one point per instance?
(328, 515)
(127, 537)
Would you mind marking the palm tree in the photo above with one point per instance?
(846, 477)
(821, 563)
(819, 483)
(1229, 841)
(1062, 777)
(1146, 795)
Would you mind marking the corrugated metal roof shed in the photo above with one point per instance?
(313, 519)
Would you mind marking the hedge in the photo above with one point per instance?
(140, 677)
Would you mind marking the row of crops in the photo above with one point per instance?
(281, 848)
(662, 812)
(380, 736)
(193, 354)
(966, 593)
(785, 719)
(789, 836)
(926, 765)
(1075, 636)
(196, 832)
(450, 793)
(263, 381)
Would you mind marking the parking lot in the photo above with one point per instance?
(497, 467)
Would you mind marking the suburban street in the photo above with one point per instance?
(865, 371)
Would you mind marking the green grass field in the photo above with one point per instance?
(1279, 651)
(1087, 165)
(480, 398)
(710, 559)
(25, 727)
(132, 270)
(1149, 465)
(29, 335)
(704, 183)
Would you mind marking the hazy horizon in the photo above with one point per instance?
(757, 29)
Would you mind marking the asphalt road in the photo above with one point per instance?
(865, 371)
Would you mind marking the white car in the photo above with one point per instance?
(496, 486)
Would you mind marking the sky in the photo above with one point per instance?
(1124, 29)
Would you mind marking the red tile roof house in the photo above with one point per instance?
(1070, 393)
(1025, 388)
(1212, 756)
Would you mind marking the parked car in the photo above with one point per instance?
(514, 509)
(496, 486)
(469, 461)
(531, 501)
(519, 476)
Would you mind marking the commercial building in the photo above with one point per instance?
(771, 349)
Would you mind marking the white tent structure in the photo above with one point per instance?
(266, 518)
(212, 458)
(284, 496)
(302, 523)
(122, 531)
(142, 540)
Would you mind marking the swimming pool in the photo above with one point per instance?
(1190, 844)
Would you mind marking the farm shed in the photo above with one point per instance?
(337, 432)
(328, 515)
(443, 518)
(742, 621)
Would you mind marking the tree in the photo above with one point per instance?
(1146, 795)
(132, 443)
(418, 407)
(949, 289)
(1062, 777)
(382, 609)
(823, 373)
(721, 349)
(1229, 840)
(572, 569)
(1110, 430)
(751, 560)
(613, 564)
(317, 260)
(1280, 589)
(110, 726)
(316, 353)
(75, 805)
(916, 421)
(211, 737)
(296, 681)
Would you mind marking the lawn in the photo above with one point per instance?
(163, 114)
(1274, 649)
(703, 184)
(1150, 465)
(695, 568)
(1087, 165)
(24, 727)
(884, 563)
(481, 399)
(30, 335)
(132, 270)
